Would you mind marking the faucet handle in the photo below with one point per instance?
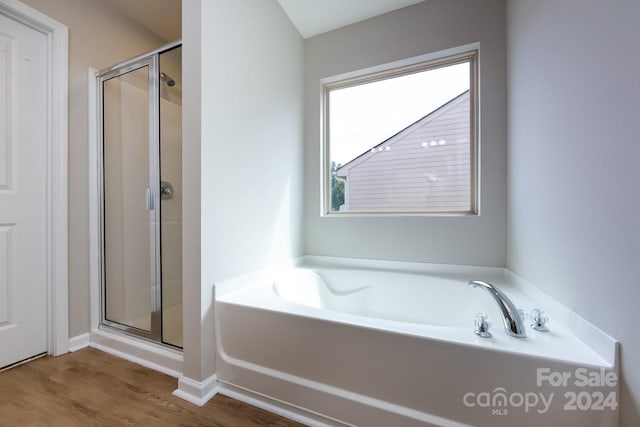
(482, 324)
(540, 320)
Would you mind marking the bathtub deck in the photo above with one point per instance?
(90, 387)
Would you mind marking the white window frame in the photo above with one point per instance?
(468, 53)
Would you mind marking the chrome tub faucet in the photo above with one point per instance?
(513, 322)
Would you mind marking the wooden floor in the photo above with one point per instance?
(92, 388)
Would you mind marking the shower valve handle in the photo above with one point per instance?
(166, 190)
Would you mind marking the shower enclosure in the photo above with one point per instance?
(140, 174)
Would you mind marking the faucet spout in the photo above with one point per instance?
(513, 323)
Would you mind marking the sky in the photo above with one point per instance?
(361, 117)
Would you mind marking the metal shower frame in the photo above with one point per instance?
(153, 196)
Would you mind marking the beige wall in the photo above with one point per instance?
(98, 37)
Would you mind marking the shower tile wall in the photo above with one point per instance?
(171, 171)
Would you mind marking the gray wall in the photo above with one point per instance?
(573, 174)
(424, 28)
(98, 37)
(252, 60)
(242, 154)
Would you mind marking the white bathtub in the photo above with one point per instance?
(385, 344)
(379, 294)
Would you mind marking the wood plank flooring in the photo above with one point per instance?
(92, 388)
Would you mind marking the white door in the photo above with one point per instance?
(23, 192)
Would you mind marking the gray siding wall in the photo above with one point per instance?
(412, 174)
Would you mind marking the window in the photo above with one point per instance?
(402, 141)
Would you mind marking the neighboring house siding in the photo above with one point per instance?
(409, 176)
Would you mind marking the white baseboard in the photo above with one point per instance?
(79, 342)
(197, 392)
(138, 351)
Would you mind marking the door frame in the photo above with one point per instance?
(57, 236)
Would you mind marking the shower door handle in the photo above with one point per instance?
(150, 201)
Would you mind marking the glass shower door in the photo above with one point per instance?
(170, 88)
(130, 211)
